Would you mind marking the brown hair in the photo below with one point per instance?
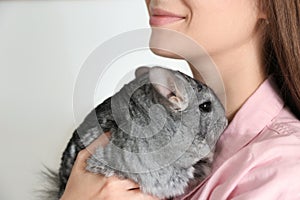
(282, 48)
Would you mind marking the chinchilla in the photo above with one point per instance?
(164, 126)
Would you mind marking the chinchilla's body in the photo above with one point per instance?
(163, 126)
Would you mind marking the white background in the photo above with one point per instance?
(43, 45)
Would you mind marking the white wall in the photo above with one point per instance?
(43, 45)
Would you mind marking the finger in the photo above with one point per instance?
(138, 194)
(122, 183)
(84, 154)
(102, 140)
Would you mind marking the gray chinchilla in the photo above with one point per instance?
(164, 126)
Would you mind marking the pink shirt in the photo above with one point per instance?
(258, 155)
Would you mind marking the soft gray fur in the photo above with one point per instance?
(164, 127)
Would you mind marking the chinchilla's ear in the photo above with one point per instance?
(169, 86)
(141, 70)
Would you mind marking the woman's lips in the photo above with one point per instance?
(158, 20)
(161, 17)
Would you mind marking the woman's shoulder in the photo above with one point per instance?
(278, 142)
(268, 167)
(285, 123)
(285, 126)
(271, 168)
(280, 138)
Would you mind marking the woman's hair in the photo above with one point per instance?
(281, 50)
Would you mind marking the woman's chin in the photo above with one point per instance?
(165, 53)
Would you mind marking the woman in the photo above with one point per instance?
(255, 44)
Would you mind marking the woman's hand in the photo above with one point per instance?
(84, 185)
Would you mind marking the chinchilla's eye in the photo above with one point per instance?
(205, 107)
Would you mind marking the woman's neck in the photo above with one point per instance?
(242, 72)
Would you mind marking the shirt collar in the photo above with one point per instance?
(260, 108)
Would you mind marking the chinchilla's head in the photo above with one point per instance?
(180, 94)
